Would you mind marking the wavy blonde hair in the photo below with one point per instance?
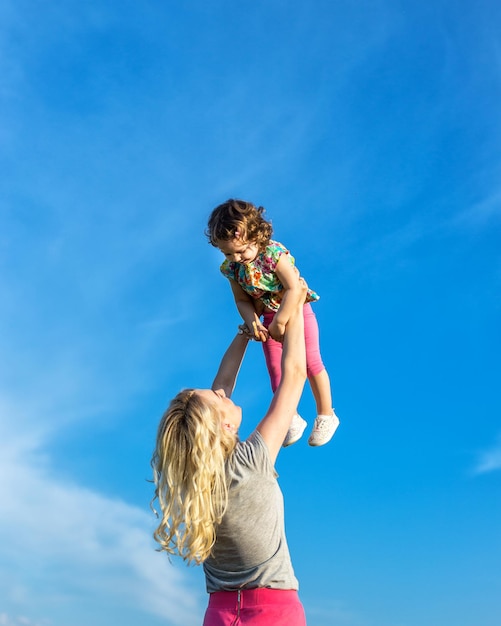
(189, 470)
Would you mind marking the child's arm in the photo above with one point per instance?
(289, 277)
(247, 310)
(227, 373)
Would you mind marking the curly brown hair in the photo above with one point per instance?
(237, 218)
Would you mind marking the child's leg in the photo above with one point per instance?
(317, 374)
(326, 422)
(273, 355)
(321, 389)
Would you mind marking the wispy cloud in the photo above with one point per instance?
(59, 537)
(7, 620)
(489, 460)
(20, 620)
(62, 543)
(481, 213)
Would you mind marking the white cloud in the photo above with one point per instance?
(489, 460)
(59, 538)
(7, 620)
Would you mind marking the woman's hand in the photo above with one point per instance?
(296, 297)
(304, 290)
(277, 330)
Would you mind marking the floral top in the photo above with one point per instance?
(258, 278)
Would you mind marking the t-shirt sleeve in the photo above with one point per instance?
(254, 454)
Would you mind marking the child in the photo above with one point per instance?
(262, 276)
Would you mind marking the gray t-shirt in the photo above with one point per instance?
(251, 550)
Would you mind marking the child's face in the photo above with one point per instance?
(238, 250)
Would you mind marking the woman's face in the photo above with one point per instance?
(231, 414)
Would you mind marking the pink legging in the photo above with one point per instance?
(273, 349)
(255, 607)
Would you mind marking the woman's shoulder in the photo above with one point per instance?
(254, 444)
(253, 453)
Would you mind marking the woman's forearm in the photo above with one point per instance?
(287, 306)
(229, 367)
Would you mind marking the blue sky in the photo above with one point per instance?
(371, 133)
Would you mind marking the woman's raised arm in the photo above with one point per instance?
(276, 422)
(227, 373)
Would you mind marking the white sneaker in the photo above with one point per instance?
(296, 430)
(323, 429)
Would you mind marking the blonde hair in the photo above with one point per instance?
(189, 470)
(237, 218)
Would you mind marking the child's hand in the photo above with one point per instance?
(276, 330)
(258, 333)
(304, 288)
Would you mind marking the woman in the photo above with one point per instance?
(219, 498)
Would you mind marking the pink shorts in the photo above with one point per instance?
(256, 607)
(273, 349)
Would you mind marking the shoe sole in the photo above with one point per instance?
(295, 440)
(291, 442)
(317, 445)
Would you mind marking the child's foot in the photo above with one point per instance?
(323, 429)
(295, 432)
